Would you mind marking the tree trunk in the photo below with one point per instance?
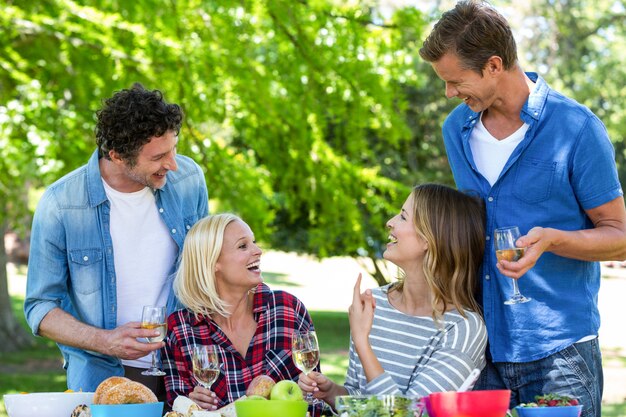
(377, 269)
(12, 334)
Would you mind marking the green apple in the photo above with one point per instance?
(286, 390)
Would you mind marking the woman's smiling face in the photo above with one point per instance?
(405, 245)
(240, 258)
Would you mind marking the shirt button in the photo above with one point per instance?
(487, 277)
(488, 237)
(173, 230)
(161, 210)
(490, 199)
(85, 258)
(188, 227)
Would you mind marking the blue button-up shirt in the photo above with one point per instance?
(564, 165)
(71, 255)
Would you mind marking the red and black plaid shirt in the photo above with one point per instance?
(277, 313)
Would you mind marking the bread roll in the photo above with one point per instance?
(106, 385)
(120, 390)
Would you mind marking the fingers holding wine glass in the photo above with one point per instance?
(315, 383)
(154, 318)
(505, 244)
(306, 354)
(204, 397)
(128, 341)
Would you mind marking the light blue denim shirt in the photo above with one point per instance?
(71, 256)
(564, 165)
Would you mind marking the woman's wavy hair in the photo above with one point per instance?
(453, 225)
(130, 118)
(474, 31)
(195, 284)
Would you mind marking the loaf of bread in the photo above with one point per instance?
(120, 390)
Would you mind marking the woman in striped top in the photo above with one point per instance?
(423, 333)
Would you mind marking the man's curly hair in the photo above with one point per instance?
(130, 118)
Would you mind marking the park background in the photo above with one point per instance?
(312, 119)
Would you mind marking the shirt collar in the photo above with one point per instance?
(531, 111)
(536, 100)
(95, 189)
(262, 294)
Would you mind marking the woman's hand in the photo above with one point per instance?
(204, 397)
(321, 387)
(361, 313)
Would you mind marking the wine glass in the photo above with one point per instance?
(305, 352)
(206, 364)
(153, 318)
(505, 238)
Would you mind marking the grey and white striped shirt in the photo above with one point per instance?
(418, 357)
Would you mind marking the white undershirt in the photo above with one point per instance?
(144, 253)
(491, 154)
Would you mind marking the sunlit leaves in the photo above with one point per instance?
(300, 112)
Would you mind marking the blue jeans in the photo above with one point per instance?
(575, 371)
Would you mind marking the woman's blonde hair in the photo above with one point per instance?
(195, 284)
(453, 225)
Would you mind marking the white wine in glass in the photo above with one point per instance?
(305, 353)
(306, 360)
(153, 317)
(506, 250)
(206, 364)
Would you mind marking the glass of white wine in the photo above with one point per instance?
(504, 242)
(305, 352)
(206, 364)
(153, 318)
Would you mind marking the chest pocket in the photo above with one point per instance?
(534, 180)
(86, 270)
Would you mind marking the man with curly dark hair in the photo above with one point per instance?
(106, 239)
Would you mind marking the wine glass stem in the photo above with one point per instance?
(516, 292)
(309, 397)
(154, 365)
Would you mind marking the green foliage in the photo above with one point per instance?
(299, 112)
(311, 119)
(577, 46)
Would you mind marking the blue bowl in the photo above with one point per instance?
(127, 410)
(565, 411)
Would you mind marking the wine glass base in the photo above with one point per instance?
(517, 300)
(153, 372)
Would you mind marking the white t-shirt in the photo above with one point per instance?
(143, 253)
(491, 154)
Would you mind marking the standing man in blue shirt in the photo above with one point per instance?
(106, 239)
(542, 162)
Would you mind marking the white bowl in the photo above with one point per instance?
(48, 404)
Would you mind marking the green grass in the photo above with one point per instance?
(333, 332)
(34, 369)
